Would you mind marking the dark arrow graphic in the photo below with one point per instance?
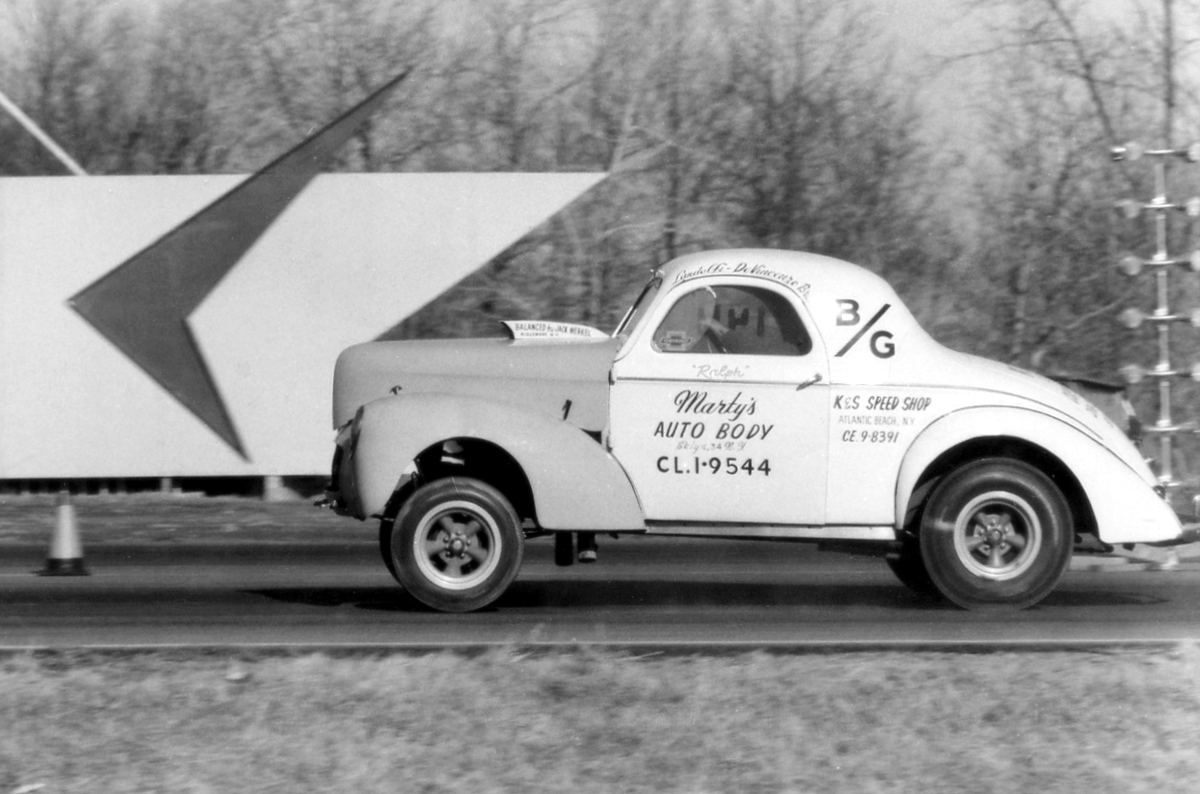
(142, 306)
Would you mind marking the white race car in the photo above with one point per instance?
(746, 394)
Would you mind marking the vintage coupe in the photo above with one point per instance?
(747, 394)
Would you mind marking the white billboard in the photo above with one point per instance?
(349, 257)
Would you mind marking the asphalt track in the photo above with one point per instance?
(644, 593)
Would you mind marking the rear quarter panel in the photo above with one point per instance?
(884, 438)
(1126, 508)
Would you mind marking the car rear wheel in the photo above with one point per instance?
(909, 567)
(457, 544)
(996, 534)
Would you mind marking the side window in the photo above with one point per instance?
(747, 321)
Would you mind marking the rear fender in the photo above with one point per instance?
(1124, 504)
(576, 484)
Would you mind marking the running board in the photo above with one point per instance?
(784, 531)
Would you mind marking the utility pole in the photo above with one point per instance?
(1161, 262)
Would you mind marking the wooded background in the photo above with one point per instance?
(723, 122)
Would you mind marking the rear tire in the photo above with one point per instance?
(909, 567)
(996, 534)
(457, 544)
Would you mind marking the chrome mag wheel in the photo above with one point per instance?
(998, 535)
(457, 545)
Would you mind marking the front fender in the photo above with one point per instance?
(576, 484)
(1123, 500)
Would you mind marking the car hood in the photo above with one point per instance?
(568, 379)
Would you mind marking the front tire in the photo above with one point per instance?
(996, 534)
(457, 544)
(386, 527)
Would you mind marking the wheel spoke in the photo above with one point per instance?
(477, 553)
(472, 528)
(454, 566)
(1018, 542)
(447, 524)
(434, 547)
(974, 542)
(996, 557)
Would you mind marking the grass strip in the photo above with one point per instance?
(599, 721)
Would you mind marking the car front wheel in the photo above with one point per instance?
(996, 534)
(456, 544)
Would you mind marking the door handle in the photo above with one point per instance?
(805, 384)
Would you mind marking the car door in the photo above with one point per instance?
(720, 407)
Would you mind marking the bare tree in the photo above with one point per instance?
(1071, 82)
(1069, 85)
(722, 122)
(69, 68)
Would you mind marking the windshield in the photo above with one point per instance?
(638, 310)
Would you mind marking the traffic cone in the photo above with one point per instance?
(66, 552)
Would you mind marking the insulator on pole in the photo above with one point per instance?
(1130, 264)
(1131, 318)
(1132, 373)
(1129, 208)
